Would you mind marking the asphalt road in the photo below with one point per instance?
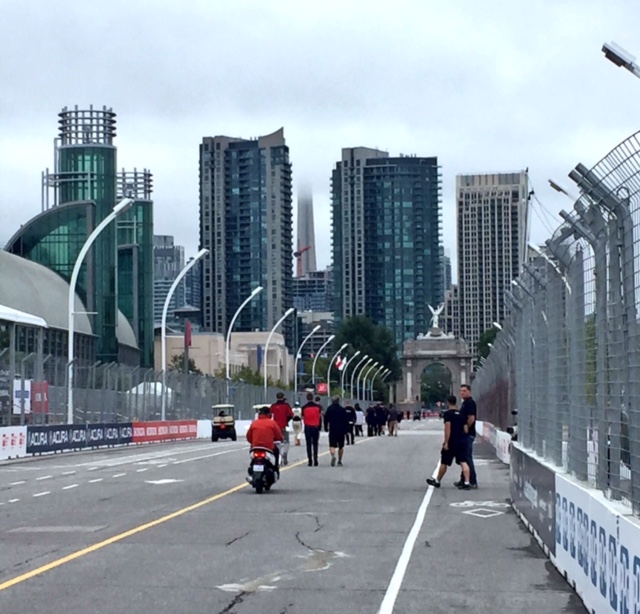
(174, 528)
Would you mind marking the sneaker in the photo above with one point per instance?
(458, 483)
(464, 486)
(433, 482)
(285, 461)
(339, 463)
(315, 462)
(474, 486)
(309, 464)
(333, 461)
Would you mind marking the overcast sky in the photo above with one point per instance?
(491, 85)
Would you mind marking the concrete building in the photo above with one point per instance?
(386, 239)
(306, 262)
(313, 291)
(492, 223)
(208, 351)
(168, 261)
(246, 223)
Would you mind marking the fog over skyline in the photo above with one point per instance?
(486, 87)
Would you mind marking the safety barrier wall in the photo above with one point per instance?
(594, 542)
(499, 440)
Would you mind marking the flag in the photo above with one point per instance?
(341, 363)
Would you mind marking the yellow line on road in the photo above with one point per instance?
(116, 538)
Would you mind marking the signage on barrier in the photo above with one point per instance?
(43, 439)
(598, 549)
(145, 432)
(533, 492)
(13, 442)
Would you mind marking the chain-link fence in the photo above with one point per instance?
(115, 392)
(568, 356)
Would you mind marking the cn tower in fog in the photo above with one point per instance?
(306, 245)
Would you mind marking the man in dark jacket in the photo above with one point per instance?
(351, 416)
(393, 421)
(336, 421)
(370, 418)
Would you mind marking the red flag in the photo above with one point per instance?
(187, 333)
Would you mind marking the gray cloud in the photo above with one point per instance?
(487, 86)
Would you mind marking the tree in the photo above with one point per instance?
(374, 340)
(247, 375)
(482, 347)
(435, 384)
(177, 363)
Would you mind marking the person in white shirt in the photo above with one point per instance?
(297, 423)
(359, 420)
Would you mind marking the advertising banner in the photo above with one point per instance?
(533, 492)
(100, 435)
(41, 439)
(13, 442)
(597, 548)
(40, 397)
(21, 396)
(503, 446)
(145, 432)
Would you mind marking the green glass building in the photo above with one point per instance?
(85, 188)
(387, 253)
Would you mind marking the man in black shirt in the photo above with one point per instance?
(468, 410)
(336, 421)
(454, 446)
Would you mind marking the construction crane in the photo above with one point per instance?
(298, 255)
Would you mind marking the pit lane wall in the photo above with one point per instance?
(594, 542)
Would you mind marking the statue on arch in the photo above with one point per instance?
(436, 313)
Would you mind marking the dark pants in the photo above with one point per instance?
(349, 437)
(473, 478)
(371, 430)
(358, 430)
(312, 437)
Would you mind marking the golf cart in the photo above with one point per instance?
(223, 424)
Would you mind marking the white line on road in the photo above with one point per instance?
(18, 483)
(96, 480)
(161, 466)
(393, 589)
(93, 468)
(195, 458)
(143, 469)
(42, 494)
(44, 477)
(68, 472)
(118, 475)
(13, 500)
(70, 487)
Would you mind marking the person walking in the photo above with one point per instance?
(393, 421)
(359, 420)
(282, 414)
(312, 417)
(351, 424)
(371, 422)
(454, 446)
(336, 422)
(296, 422)
(469, 410)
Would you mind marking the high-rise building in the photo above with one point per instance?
(306, 261)
(77, 195)
(386, 239)
(446, 267)
(313, 292)
(246, 223)
(492, 221)
(168, 261)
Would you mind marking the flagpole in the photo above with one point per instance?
(344, 345)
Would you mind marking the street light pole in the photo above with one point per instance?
(353, 373)
(621, 58)
(266, 347)
(344, 372)
(373, 379)
(298, 354)
(163, 327)
(364, 380)
(255, 292)
(315, 360)
(121, 207)
(344, 345)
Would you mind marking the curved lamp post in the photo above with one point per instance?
(298, 354)
(255, 292)
(344, 345)
(344, 372)
(163, 328)
(315, 360)
(366, 360)
(287, 313)
(376, 373)
(121, 207)
(367, 369)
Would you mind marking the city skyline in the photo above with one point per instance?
(327, 94)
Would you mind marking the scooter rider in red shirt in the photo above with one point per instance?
(282, 415)
(265, 433)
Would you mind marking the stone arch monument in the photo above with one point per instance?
(434, 347)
